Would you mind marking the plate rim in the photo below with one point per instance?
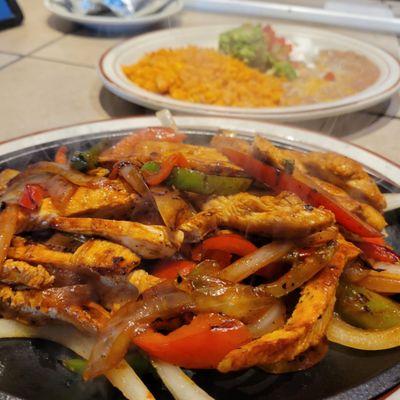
(379, 164)
(106, 21)
(156, 101)
(387, 377)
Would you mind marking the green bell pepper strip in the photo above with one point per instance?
(197, 182)
(87, 160)
(151, 167)
(76, 365)
(365, 309)
(138, 361)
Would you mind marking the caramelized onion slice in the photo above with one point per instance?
(129, 321)
(123, 377)
(362, 339)
(131, 174)
(387, 267)
(272, 319)
(60, 191)
(319, 238)
(211, 294)
(381, 282)
(354, 272)
(251, 263)
(301, 272)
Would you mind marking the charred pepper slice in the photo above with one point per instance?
(86, 160)
(197, 182)
(366, 309)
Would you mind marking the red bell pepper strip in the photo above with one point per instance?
(230, 243)
(32, 196)
(171, 269)
(220, 248)
(378, 252)
(61, 155)
(174, 160)
(202, 344)
(221, 257)
(272, 271)
(374, 240)
(281, 181)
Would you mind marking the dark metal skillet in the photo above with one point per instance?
(31, 369)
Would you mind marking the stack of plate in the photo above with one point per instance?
(150, 13)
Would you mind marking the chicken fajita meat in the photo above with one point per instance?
(300, 164)
(98, 255)
(224, 256)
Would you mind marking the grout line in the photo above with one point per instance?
(61, 62)
(62, 35)
(10, 53)
(4, 66)
(46, 44)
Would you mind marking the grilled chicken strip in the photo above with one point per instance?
(108, 201)
(36, 306)
(6, 176)
(284, 216)
(363, 210)
(148, 241)
(282, 158)
(228, 139)
(20, 273)
(204, 159)
(307, 325)
(105, 256)
(347, 174)
(143, 280)
(99, 255)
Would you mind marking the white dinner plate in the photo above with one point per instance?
(149, 14)
(307, 42)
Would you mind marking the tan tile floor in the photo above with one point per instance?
(48, 78)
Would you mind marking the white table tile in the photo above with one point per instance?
(83, 47)
(50, 94)
(382, 137)
(37, 30)
(6, 59)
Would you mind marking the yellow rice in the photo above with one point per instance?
(205, 76)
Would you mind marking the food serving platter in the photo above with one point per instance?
(156, 11)
(307, 43)
(343, 374)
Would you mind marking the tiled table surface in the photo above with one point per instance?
(48, 78)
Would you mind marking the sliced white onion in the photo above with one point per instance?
(135, 180)
(122, 377)
(251, 263)
(178, 383)
(347, 335)
(273, 319)
(392, 268)
(166, 119)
